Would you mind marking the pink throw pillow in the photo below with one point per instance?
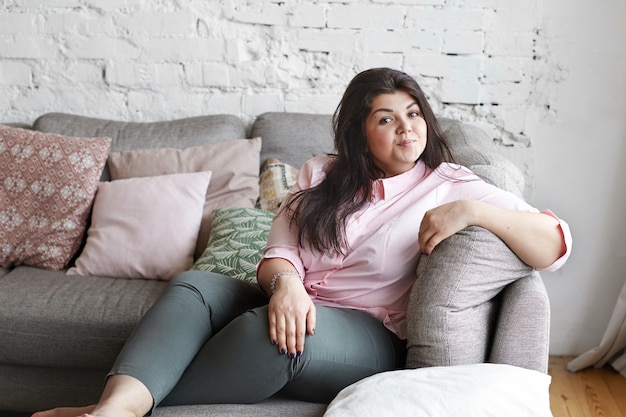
(144, 227)
(235, 165)
(46, 190)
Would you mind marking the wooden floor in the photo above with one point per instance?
(588, 393)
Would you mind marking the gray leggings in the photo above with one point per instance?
(206, 340)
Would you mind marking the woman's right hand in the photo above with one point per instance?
(291, 315)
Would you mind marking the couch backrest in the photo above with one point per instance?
(295, 137)
(179, 134)
(291, 137)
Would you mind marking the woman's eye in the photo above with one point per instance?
(414, 114)
(385, 120)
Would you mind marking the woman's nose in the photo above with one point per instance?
(405, 126)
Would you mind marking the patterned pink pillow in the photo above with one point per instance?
(47, 186)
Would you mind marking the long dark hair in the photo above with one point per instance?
(320, 212)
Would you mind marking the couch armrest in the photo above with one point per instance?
(454, 301)
(522, 336)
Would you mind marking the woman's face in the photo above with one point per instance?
(396, 132)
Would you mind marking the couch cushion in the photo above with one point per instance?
(48, 318)
(293, 138)
(48, 184)
(180, 133)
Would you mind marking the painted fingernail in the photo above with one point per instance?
(292, 355)
(283, 351)
(313, 331)
(299, 353)
(274, 342)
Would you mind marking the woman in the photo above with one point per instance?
(338, 268)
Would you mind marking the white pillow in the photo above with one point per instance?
(479, 390)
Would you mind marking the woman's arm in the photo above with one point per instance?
(291, 311)
(536, 238)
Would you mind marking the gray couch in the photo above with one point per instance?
(59, 333)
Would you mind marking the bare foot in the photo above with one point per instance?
(65, 412)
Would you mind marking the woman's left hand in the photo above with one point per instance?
(536, 238)
(442, 222)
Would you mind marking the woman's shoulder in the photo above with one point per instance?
(314, 170)
(455, 171)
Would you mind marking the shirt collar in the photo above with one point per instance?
(387, 188)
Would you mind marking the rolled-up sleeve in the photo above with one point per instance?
(566, 235)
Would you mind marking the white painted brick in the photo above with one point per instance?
(447, 66)
(28, 48)
(513, 21)
(252, 74)
(212, 74)
(423, 40)
(505, 93)
(496, 69)
(244, 48)
(222, 103)
(81, 23)
(184, 49)
(359, 17)
(312, 103)
(259, 13)
(495, 4)
(152, 23)
(437, 20)
(20, 23)
(48, 3)
(413, 2)
(385, 59)
(383, 41)
(165, 104)
(514, 119)
(69, 74)
(506, 44)
(464, 91)
(144, 75)
(87, 73)
(36, 100)
(7, 114)
(325, 41)
(15, 73)
(108, 5)
(308, 15)
(425, 63)
(463, 42)
(259, 102)
(102, 48)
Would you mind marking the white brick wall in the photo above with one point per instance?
(143, 60)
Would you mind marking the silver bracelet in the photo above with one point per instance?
(280, 274)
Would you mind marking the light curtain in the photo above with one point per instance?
(612, 346)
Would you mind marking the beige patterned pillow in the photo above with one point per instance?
(47, 186)
(274, 183)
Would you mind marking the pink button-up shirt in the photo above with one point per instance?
(377, 274)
